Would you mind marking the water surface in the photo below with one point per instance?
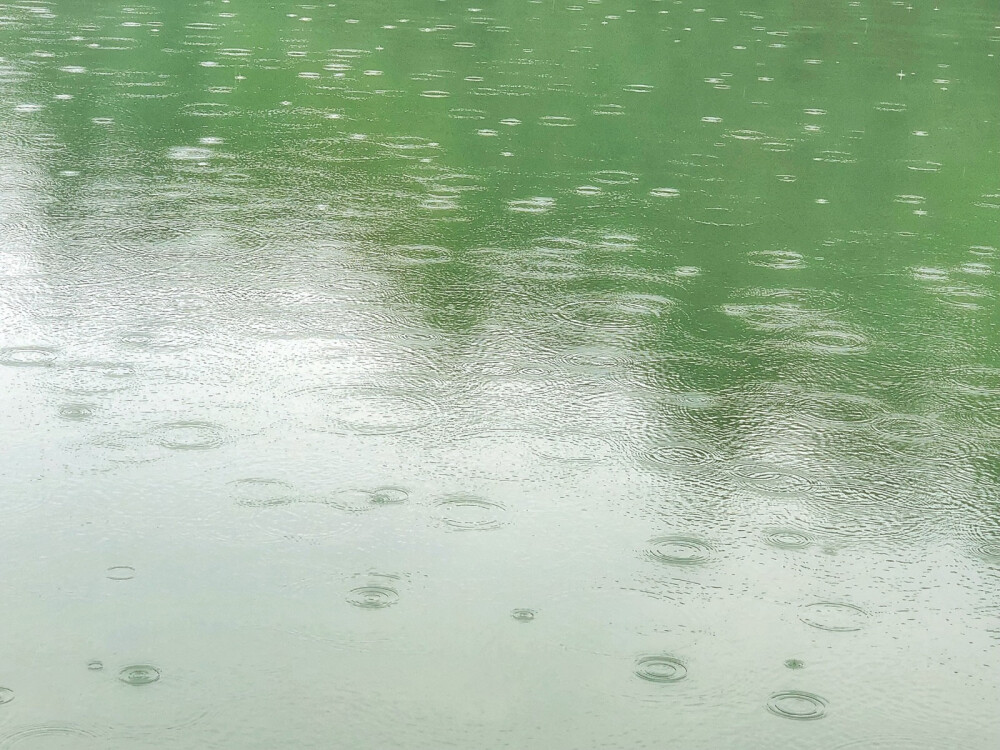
(530, 375)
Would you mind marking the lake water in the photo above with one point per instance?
(415, 375)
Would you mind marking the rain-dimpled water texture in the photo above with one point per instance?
(652, 346)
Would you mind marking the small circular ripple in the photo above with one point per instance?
(787, 538)
(139, 674)
(523, 614)
(916, 436)
(389, 495)
(120, 573)
(351, 500)
(6, 695)
(772, 479)
(557, 121)
(679, 456)
(190, 436)
(94, 378)
(28, 356)
(50, 736)
(625, 313)
(470, 512)
(255, 492)
(95, 665)
(796, 704)
(370, 410)
(660, 668)
(836, 617)
(615, 177)
(777, 259)
(986, 549)
(679, 550)
(837, 408)
(76, 412)
(373, 597)
(827, 341)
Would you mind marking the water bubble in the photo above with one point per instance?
(787, 538)
(28, 356)
(372, 597)
(523, 614)
(139, 674)
(120, 573)
(257, 492)
(796, 704)
(6, 695)
(95, 665)
(190, 436)
(679, 550)
(470, 512)
(836, 617)
(660, 668)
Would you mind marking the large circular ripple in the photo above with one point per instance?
(372, 597)
(470, 512)
(679, 550)
(369, 410)
(836, 617)
(660, 668)
(797, 704)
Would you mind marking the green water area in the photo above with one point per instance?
(527, 376)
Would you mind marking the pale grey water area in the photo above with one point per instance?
(534, 375)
